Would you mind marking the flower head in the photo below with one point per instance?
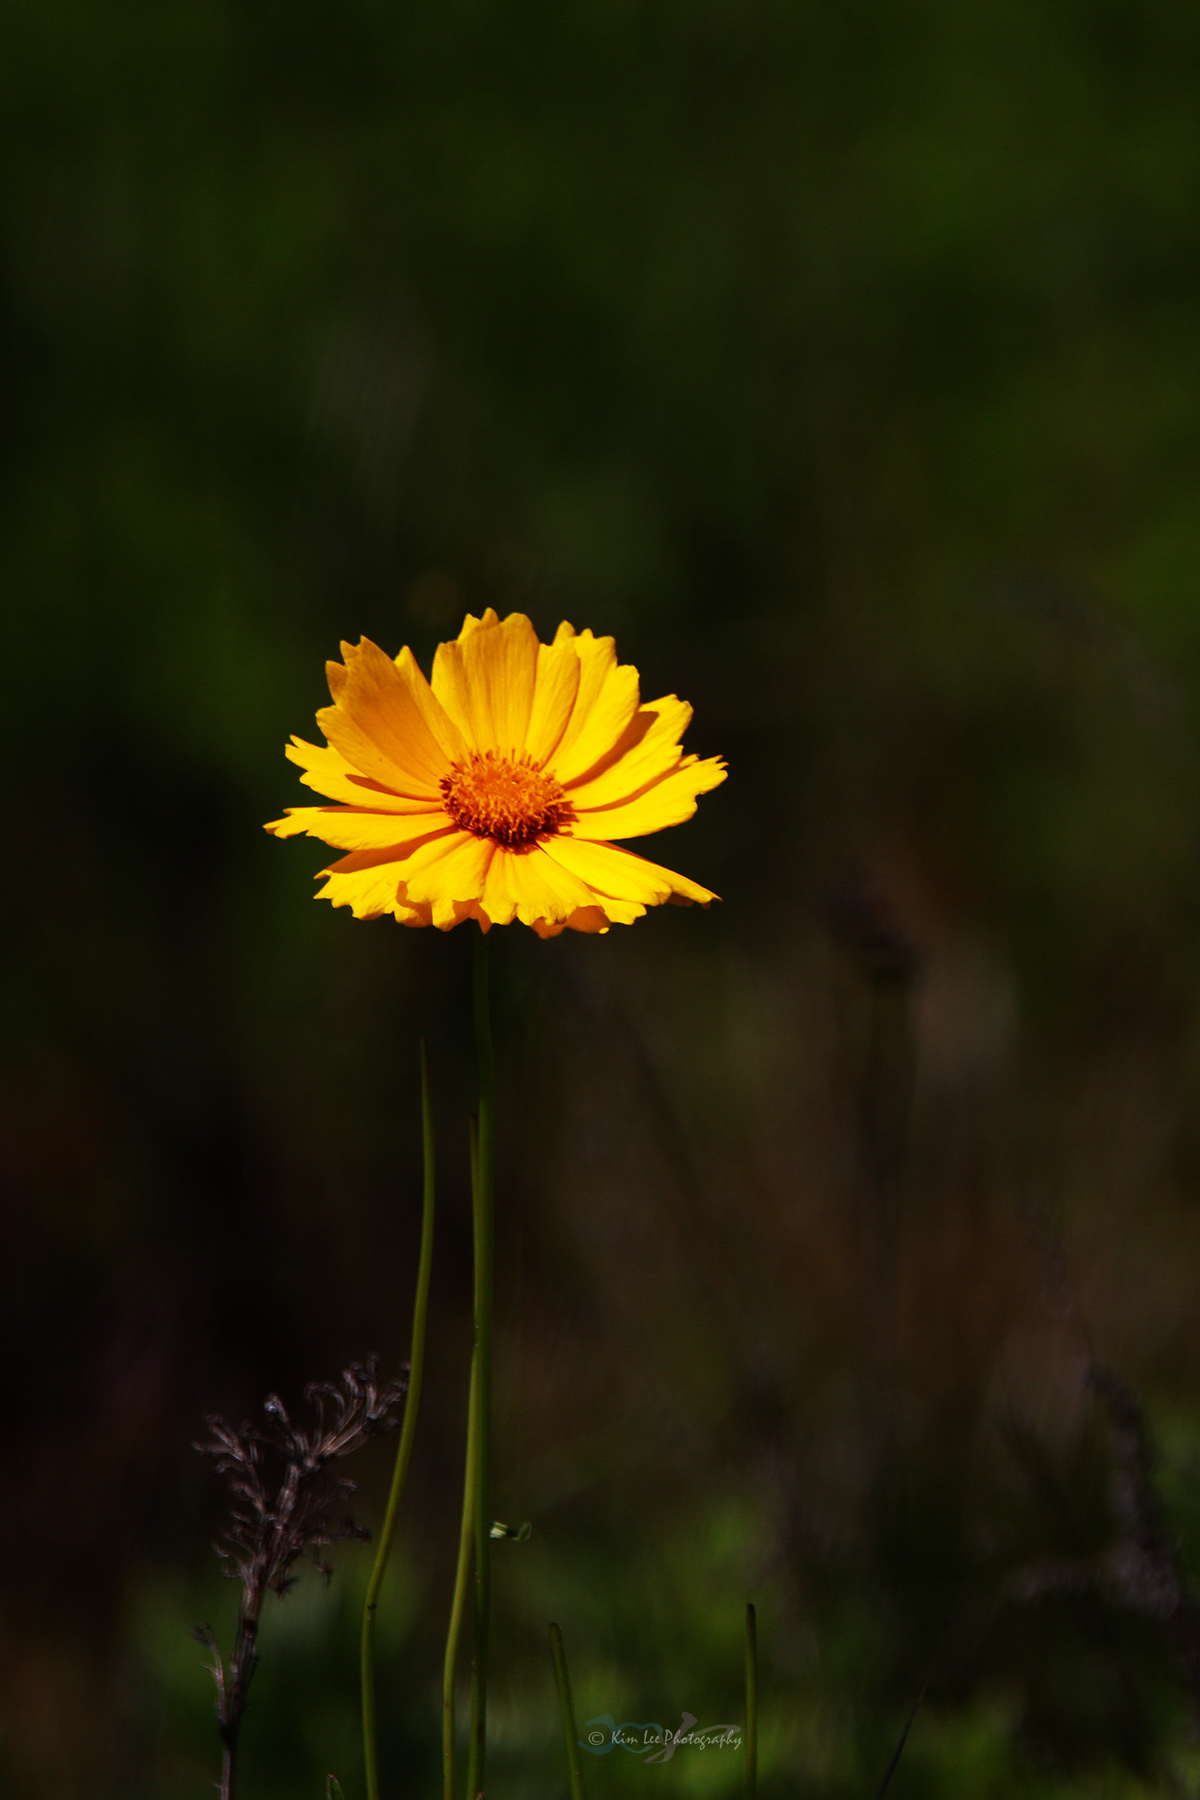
(495, 793)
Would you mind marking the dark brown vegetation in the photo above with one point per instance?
(285, 1501)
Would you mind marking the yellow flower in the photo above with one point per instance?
(495, 793)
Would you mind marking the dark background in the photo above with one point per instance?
(843, 361)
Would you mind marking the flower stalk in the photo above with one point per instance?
(480, 1448)
(461, 1583)
(408, 1431)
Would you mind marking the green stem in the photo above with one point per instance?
(462, 1576)
(567, 1708)
(751, 1703)
(481, 1416)
(407, 1432)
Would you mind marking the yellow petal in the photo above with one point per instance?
(596, 658)
(606, 703)
(622, 875)
(445, 732)
(553, 699)
(528, 884)
(648, 749)
(668, 801)
(584, 918)
(357, 828)
(367, 892)
(380, 722)
(368, 883)
(471, 624)
(449, 875)
(399, 854)
(603, 912)
(335, 673)
(486, 680)
(327, 772)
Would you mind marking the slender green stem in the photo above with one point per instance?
(882, 1789)
(481, 1416)
(407, 1432)
(751, 1703)
(567, 1707)
(462, 1576)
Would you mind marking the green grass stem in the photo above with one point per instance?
(751, 1703)
(567, 1708)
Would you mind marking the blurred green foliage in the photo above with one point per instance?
(844, 361)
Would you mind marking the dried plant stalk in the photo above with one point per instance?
(285, 1502)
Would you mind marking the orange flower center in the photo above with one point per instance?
(503, 797)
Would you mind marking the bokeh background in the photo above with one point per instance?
(844, 361)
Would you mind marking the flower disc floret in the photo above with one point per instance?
(504, 798)
(501, 789)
